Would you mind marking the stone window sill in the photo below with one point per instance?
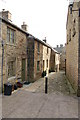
(11, 44)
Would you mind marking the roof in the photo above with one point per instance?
(15, 26)
(28, 34)
(46, 44)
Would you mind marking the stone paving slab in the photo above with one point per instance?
(31, 101)
(24, 104)
(0, 107)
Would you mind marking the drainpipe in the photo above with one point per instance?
(2, 67)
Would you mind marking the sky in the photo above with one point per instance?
(45, 18)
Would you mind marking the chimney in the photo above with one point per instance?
(6, 15)
(61, 45)
(24, 26)
(71, 5)
(44, 40)
(57, 46)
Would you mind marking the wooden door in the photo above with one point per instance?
(23, 69)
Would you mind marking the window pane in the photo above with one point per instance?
(38, 47)
(38, 65)
(8, 34)
(11, 68)
(47, 63)
(11, 36)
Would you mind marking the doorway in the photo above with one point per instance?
(23, 69)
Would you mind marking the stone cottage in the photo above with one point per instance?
(73, 46)
(14, 45)
(38, 53)
(34, 58)
(41, 58)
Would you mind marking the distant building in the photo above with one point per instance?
(73, 46)
(62, 50)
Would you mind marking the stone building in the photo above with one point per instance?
(34, 58)
(73, 45)
(41, 58)
(39, 55)
(24, 57)
(54, 60)
(14, 45)
(46, 56)
(61, 49)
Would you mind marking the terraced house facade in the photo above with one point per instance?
(24, 56)
(41, 58)
(14, 58)
(73, 46)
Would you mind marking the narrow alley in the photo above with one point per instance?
(32, 102)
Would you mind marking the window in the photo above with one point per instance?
(47, 50)
(74, 32)
(70, 35)
(10, 35)
(79, 12)
(43, 64)
(47, 63)
(70, 9)
(38, 65)
(11, 68)
(67, 38)
(38, 47)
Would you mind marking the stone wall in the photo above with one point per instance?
(16, 51)
(52, 61)
(57, 62)
(72, 46)
(34, 56)
(38, 56)
(62, 59)
(30, 59)
(46, 56)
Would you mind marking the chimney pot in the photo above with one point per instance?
(24, 26)
(3, 9)
(44, 40)
(23, 23)
(57, 46)
(61, 45)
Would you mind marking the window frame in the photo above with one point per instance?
(47, 50)
(47, 63)
(10, 35)
(11, 68)
(38, 47)
(38, 65)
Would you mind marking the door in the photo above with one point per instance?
(65, 66)
(23, 69)
(43, 64)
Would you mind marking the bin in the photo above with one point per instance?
(7, 89)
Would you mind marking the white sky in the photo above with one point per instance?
(45, 18)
